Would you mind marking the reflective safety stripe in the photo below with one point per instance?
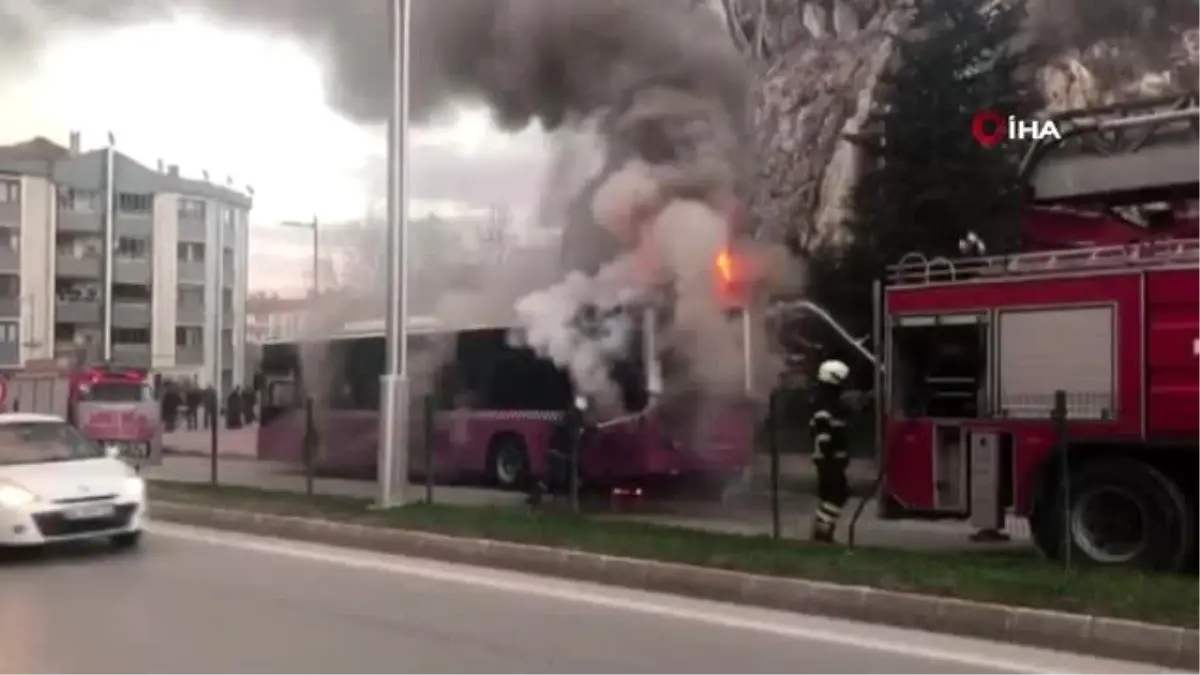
(830, 508)
(827, 513)
(820, 440)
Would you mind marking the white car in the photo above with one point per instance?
(56, 485)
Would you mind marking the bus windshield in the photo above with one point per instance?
(117, 392)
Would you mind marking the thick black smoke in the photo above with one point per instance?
(658, 81)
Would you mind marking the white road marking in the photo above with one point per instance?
(967, 652)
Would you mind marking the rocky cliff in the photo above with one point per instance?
(820, 60)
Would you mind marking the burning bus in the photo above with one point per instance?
(496, 405)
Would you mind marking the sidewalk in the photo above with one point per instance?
(796, 470)
(746, 513)
(231, 443)
(284, 477)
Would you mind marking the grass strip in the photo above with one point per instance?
(988, 577)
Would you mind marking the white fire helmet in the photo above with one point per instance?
(833, 372)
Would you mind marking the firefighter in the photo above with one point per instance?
(828, 430)
(563, 442)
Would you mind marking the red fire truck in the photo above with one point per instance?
(111, 405)
(976, 349)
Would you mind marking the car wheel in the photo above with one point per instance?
(508, 462)
(126, 540)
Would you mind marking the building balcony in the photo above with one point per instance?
(131, 314)
(191, 272)
(192, 230)
(127, 271)
(10, 214)
(138, 225)
(10, 354)
(10, 306)
(78, 311)
(80, 222)
(10, 261)
(188, 314)
(78, 267)
(191, 355)
(132, 355)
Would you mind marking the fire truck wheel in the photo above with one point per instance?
(508, 462)
(1126, 512)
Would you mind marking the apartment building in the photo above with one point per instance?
(104, 258)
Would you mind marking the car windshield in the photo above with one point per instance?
(42, 442)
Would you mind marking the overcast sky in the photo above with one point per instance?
(252, 107)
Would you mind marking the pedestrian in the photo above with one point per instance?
(233, 409)
(209, 403)
(828, 430)
(170, 406)
(248, 401)
(193, 396)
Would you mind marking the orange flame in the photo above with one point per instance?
(725, 266)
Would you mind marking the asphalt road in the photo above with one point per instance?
(201, 601)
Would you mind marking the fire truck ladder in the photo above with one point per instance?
(915, 270)
(1127, 153)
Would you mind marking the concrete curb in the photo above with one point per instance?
(1093, 635)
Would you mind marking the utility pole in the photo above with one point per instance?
(393, 432)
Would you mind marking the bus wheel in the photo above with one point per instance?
(1126, 512)
(508, 462)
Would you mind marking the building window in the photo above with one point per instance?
(192, 208)
(191, 252)
(227, 299)
(76, 200)
(134, 293)
(132, 248)
(128, 202)
(189, 336)
(10, 240)
(10, 191)
(10, 331)
(124, 336)
(10, 286)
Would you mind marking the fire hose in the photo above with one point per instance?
(800, 304)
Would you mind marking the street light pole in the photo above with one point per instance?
(393, 418)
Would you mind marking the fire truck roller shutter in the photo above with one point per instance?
(1045, 350)
(1122, 512)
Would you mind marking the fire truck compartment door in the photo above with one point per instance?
(1068, 348)
(987, 511)
(41, 395)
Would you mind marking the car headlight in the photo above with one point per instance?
(135, 486)
(15, 496)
